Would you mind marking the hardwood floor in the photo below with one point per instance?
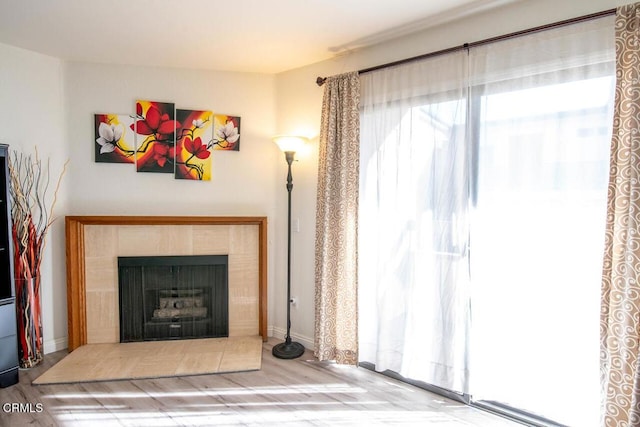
(301, 392)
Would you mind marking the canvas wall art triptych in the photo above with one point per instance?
(158, 138)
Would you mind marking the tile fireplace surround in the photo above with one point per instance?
(93, 244)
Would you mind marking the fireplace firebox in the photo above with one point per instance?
(173, 297)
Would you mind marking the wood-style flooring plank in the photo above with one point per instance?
(283, 393)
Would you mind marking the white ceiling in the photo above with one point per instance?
(241, 35)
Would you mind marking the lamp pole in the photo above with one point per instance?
(288, 349)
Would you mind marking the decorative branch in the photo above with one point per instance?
(31, 218)
(29, 187)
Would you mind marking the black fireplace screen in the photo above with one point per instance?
(173, 297)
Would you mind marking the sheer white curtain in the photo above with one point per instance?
(413, 263)
(483, 185)
(544, 114)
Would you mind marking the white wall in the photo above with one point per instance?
(243, 183)
(299, 102)
(32, 114)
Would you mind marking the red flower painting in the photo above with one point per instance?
(155, 130)
(162, 153)
(193, 152)
(155, 123)
(196, 148)
(160, 139)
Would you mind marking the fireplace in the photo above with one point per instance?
(173, 297)
(94, 243)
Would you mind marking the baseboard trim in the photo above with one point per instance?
(279, 333)
(54, 345)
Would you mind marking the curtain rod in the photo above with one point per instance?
(320, 80)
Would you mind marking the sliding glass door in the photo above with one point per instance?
(482, 221)
(537, 244)
(543, 125)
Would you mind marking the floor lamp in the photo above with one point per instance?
(289, 145)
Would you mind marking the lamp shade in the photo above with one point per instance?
(290, 143)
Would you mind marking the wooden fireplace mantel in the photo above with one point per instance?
(75, 261)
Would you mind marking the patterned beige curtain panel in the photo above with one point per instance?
(620, 314)
(336, 335)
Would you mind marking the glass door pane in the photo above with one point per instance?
(537, 236)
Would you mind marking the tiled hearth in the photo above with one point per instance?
(94, 244)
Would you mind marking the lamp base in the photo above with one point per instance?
(288, 350)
